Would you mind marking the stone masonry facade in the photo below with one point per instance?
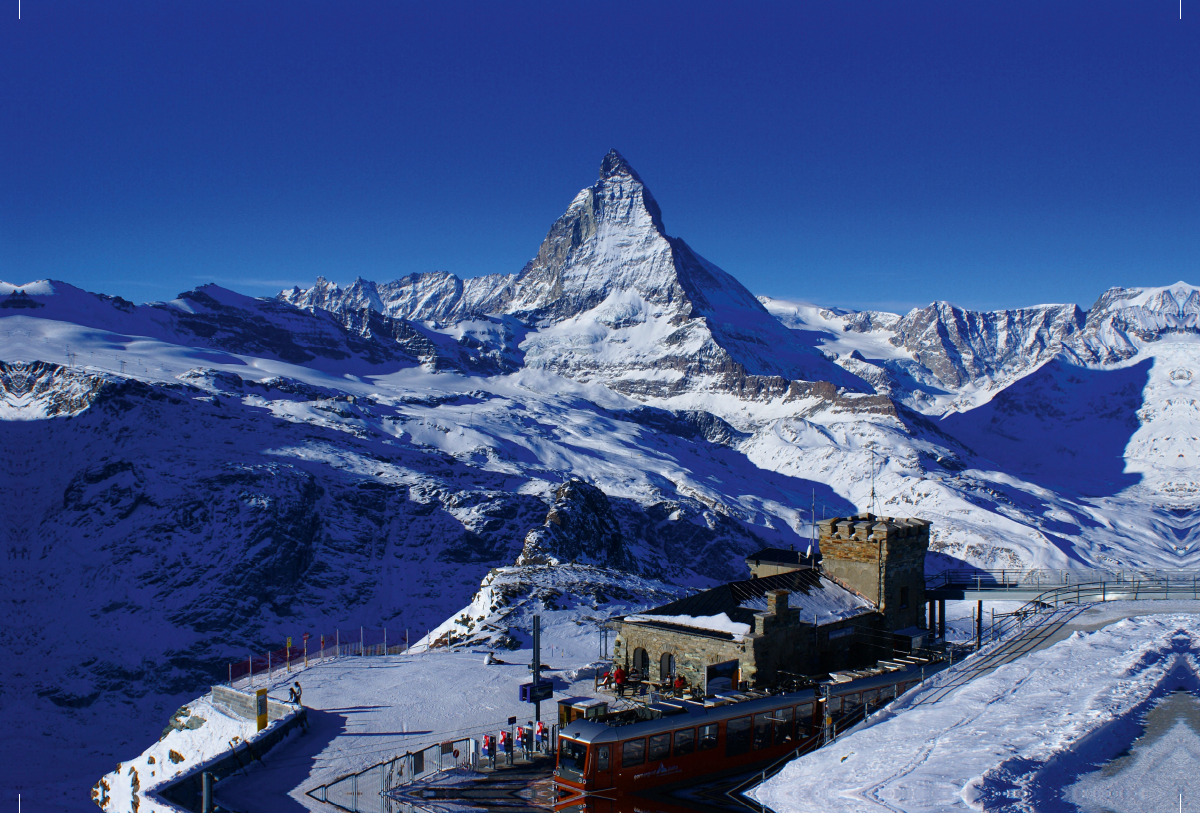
(873, 554)
(781, 645)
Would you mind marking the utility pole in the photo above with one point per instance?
(537, 665)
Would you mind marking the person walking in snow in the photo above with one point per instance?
(294, 694)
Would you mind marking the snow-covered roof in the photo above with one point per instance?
(729, 610)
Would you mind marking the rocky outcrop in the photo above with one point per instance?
(580, 528)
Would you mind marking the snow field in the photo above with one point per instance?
(991, 738)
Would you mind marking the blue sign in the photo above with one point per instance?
(534, 692)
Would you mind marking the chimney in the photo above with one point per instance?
(777, 603)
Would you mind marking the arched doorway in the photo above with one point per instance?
(666, 666)
(641, 661)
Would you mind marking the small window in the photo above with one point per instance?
(784, 731)
(850, 703)
(903, 596)
(737, 736)
(660, 746)
(762, 730)
(871, 697)
(708, 736)
(685, 742)
(633, 753)
(602, 758)
(835, 707)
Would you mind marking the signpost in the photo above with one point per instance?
(260, 708)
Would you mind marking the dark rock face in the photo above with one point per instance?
(580, 528)
(959, 346)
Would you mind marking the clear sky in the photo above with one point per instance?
(863, 154)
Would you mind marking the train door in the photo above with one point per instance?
(804, 721)
(785, 730)
(601, 767)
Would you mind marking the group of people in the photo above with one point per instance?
(530, 738)
(621, 679)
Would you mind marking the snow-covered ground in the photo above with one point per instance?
(1014, 739)
(197, 733)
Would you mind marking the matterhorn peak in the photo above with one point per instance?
(614, 165)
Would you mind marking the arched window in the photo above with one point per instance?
(666, 666)
(641, 661)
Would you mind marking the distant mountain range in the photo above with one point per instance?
(192, 479)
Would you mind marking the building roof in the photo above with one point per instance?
(780, 556)
(728, 611)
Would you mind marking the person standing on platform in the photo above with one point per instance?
(539, 736)
(506, 747)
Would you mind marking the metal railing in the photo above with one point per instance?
(1042, 578)
(340, 644)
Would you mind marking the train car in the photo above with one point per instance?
(672, 742)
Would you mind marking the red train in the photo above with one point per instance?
(678, 742)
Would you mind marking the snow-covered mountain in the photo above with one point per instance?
(191, 480)
(610, 297)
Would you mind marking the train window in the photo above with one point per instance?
(784, 731)
(871, 697)
(835, 707)
(850, 703)
(804, 720)
(708, 736)
(633, 753)
(602, 758)
(685, 742)
(660, 746)
(737, 736)
(571, 754)
(762, 730)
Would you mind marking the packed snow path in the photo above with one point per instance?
(1015, 739)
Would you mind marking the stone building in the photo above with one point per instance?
(761, 630)
(882, 559)
(796, 616)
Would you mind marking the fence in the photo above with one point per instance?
(342, 643)
(1042, 578)
(368, 790)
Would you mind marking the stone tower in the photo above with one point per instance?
(881, 558)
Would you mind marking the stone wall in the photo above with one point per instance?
(780, 643)
(241, 704)
(763, 569)
(868, 553)
(693, 653)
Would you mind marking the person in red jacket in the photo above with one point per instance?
(619, 679)
(680, 685)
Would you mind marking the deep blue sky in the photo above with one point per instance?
(883, 154)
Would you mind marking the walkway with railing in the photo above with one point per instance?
(1044, 579)
(299, 653)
